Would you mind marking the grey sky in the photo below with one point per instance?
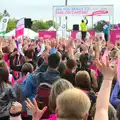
(42, 9)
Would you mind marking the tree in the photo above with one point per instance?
(5, 13)
(51, 23)
(41, 25)
(38, 25)
(99, 26)
(11, 24)
(1, 15)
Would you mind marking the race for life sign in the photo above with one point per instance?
(114, 36)
(87, 10)
(47, 34)
(77, 34)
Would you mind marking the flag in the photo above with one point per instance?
(63, 26)
(20, 28)
(3, 25)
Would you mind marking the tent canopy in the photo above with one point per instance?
(27, 33)
(51, 29)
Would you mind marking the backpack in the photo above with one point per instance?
(42, 96)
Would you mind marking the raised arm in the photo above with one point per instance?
(86, 20)
(104, 93)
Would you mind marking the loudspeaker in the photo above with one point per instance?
(28, 23)
(76, 27)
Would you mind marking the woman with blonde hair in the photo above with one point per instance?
(57, 88)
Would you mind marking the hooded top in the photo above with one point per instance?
(31, 84)
(7, 96)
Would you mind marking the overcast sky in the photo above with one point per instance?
(42, 9)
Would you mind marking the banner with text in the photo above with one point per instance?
(84, 10)
(77, 34)
(47, 34)
(114, 36)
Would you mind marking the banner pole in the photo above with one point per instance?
(92, 21)
(113, 18)
(66, 18)
(53, 17)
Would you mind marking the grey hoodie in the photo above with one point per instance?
(7, 96)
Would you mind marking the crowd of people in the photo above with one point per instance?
(59, 79)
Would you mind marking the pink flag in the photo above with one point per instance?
(20, 28)
(118, 74)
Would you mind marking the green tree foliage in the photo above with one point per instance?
(11, 25)
(1, 15)
(99, 26)
(5, 13)
(41, 25)
(51, 23)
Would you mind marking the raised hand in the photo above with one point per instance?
(106, 69)
(36, 112)
(15, 108)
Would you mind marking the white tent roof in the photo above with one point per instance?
(27, 33)
(51, 29)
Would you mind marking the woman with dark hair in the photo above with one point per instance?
(69, 73)
(28, 58)
(85, 63)
(7, 94)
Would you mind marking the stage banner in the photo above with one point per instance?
(20, 28)
(77, 34)
(114, 36)
(47, 34)
(83, 10)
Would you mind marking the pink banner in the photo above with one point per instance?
(20, 28)
(114, 36)
(47, 34)
(77, 34)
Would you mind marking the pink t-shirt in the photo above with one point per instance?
(52, 117)
(5, 56)
(95, 69)
(11, 79)
(20, 80)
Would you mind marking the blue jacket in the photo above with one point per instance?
(106, 29)
(115, 101)
(30, 85)
(42, 68)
